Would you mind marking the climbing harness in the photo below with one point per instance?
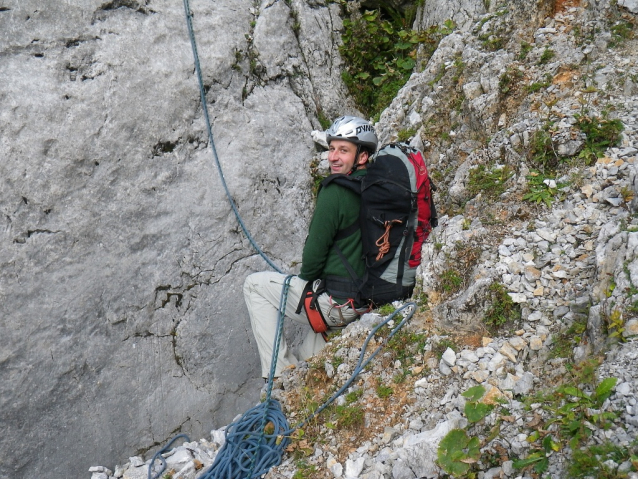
(257, 440)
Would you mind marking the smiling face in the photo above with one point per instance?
(341, 156)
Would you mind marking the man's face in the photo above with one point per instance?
(341, 156)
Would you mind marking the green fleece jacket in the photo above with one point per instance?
(337, 208)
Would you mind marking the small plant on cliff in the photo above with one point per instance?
(603, 461)
(541, 188)
(538, 86)
(346, 416)
(615, 324)
(620, 32)
(546, 56)
(490, 180)
(573, 411)
(509, 79)
(304, 470)
(542, 151)
(450, 281)
(457, 452)
(502, 309)
(525, 49)
(601, 133)
(384, 391)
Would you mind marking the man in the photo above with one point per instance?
(351, 141)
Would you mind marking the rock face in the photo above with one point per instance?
(461, 12)
(121, 264)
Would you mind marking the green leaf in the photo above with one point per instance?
(451, 452)
(363, 75)
(542, 465)
(370, 15)
(406, 63)
(550, 445)
(566, 408)
(573, 391)
(378, 80)
(474, 393)
(477, 411)
(603, 391)
(521, 463)
(474, 448)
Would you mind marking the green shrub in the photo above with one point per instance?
(379, 51)
(620, 32)
(565, 341)
(353, 396)
(509, 78)
(386, 309)
(405, 135)
(384, 391)
(601, 133)
(538, 86)
(304, 470)
(349, 416)
(539, 191)
(542, 151)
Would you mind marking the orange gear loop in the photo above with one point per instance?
(384, 241)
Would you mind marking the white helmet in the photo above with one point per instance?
(355, 130)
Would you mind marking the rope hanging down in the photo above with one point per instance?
(202, 93)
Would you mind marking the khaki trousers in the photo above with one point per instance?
(262, 292)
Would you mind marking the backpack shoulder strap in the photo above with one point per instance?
(347, 181)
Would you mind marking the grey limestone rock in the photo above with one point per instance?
(461, 311)
(462, 12)
(631, 5)
(121, 263)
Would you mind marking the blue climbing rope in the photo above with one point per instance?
(158, 456)
(202, 94)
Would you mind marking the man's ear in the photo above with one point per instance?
(364, 156)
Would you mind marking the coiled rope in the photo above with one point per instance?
(257, 440)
